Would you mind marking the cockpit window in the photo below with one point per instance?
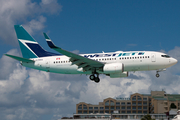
(166, 56)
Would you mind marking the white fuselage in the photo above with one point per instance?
(133, 61)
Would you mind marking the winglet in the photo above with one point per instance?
(49, 41)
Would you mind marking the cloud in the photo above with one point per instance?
(31, 94)
(35, 25)
(7, 65)
(27, 12)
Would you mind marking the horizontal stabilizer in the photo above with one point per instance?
(19, 58)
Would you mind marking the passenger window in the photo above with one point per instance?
(148, 56)
(120, 58)
(114, 58)
(54, 62)
(140, 57)
(145, 56)
(127, 57)
(132, 57)
(135, 57)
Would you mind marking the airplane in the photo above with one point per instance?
(113, 64)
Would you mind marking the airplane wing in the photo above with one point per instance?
(80, 61)
(19, 58)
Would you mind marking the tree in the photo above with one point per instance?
(147, 117)
(173, 106)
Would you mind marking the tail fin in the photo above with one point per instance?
(29, 46)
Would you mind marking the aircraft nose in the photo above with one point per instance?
(174, 61)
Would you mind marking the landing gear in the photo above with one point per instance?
(97, 80)
(160, 70)
(157, 74)
(94, 78)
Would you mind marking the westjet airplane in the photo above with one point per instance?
(114, 64)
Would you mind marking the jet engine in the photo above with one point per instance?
(113, 68)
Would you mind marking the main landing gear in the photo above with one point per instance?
(94, 77)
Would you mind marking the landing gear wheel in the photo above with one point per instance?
(92, 77)
(157, 75)
(97, 80)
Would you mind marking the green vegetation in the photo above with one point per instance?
(173, 106)
(147, 117)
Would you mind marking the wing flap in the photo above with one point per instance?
(19, 58)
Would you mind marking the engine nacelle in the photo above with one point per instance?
(118, 75)
(113, 68)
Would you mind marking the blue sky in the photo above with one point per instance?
(116, 25)
(85, 26)
(95, 26)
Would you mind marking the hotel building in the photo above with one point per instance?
(157, 102)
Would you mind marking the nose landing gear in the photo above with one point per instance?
(157, 74)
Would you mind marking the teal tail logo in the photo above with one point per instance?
(29, 46)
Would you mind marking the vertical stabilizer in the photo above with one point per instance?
(29, 46)
(24, 39)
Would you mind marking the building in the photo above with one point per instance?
(158, 102)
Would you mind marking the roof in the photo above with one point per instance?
(173, 97)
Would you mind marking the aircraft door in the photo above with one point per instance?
(153, 57)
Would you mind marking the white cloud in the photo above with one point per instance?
(35, 25)
(24, 12)
(7, 64)
(50, 6)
